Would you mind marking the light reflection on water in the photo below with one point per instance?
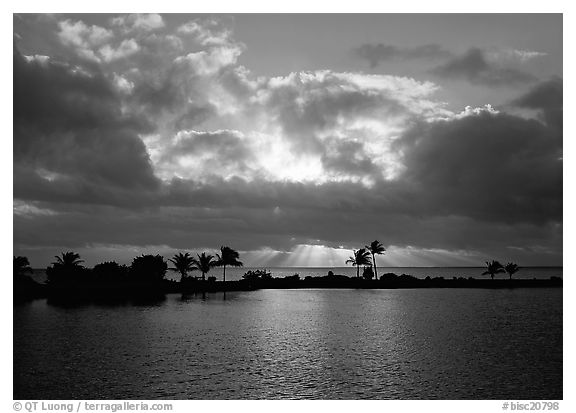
(379, 344)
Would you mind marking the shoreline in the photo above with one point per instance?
(111, 292)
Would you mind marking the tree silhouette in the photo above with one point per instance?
(68, 260)
(66, 269)
(149, 268)
(110, 271)
(21, 266)
(183, 263)
(228, 256)
(367, 273)
(204, 263)
(493, 268)
(375, 248)
(360, 257)
(511, 269)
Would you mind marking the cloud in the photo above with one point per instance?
(315, 109)
(487, 165)
(349, 158)
(83, 38)
(126, 48)
(70, 122)
(93, 42)
(199, 155)
(377, 53)
(210, 62)
(475, 68)
(246, 214)
(178, 145)
(546, 98)
(207, 32)
(545, 95)
(523, 56)
(138, 22)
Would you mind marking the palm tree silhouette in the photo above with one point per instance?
(183, 263)
(375, 248)
(493, 268)
(21, 266)
(228, 256)
(511, 269)
(360, 257)
(204, 263)
(68, 260)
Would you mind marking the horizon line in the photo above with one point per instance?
(396, 266)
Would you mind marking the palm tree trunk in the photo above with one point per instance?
(224, 273)
(203, 277)
(357, 271)
(375, 271)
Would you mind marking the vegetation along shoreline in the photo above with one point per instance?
(145, 279)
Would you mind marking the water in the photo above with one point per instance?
(297, 344)
(234, 274)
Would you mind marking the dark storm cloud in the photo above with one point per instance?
(547, 98)
(282, 228)
(377, 53)
(546, 95)
(475, 68)
(487, 166)
(222, 152)
(348, 157)
(70, 122)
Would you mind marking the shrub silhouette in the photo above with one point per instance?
(367, 273)
(255, 275)
(24, 287)
(21, 266)
(388, 277)
(110, 272)
(148, 269)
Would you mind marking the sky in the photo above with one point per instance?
(291, 138)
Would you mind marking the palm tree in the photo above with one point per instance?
(21, 266)
(183, 263)
(68, 260)
(493, 268)
(360, 257)
(228, 256)
(375, 248)
(67, 268)
(511, 269)
(204, 263)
